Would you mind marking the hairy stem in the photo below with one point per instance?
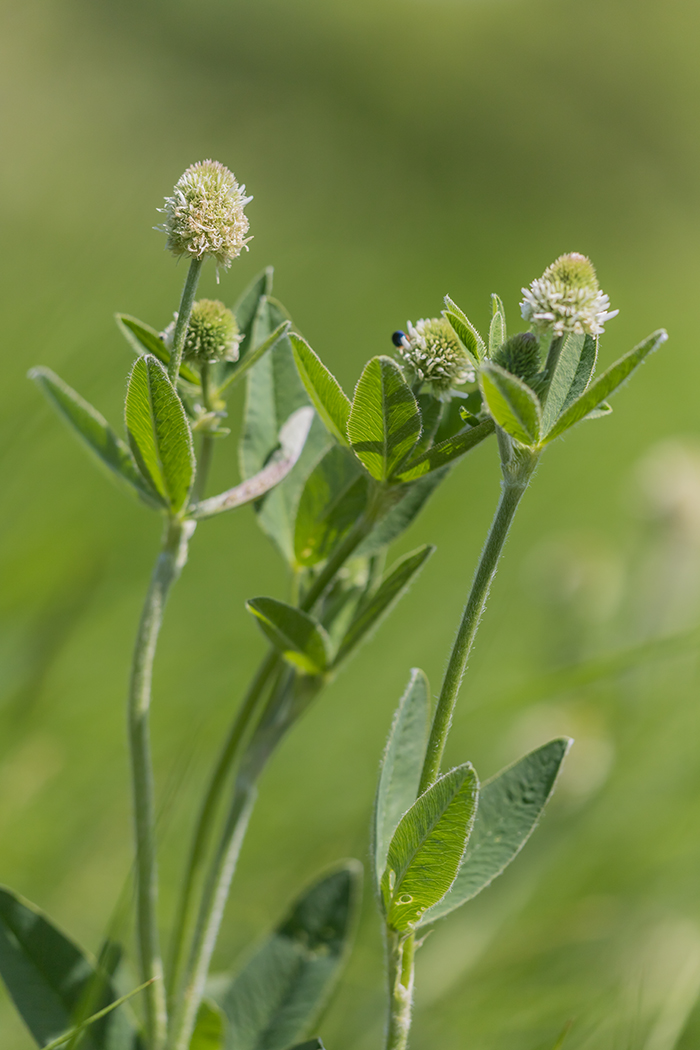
(183, 318)
(400, 958)
(167, 568)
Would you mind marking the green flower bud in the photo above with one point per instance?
(212, 334)
(205, 214)
(567, 298)
(520, 355)
(432, 353)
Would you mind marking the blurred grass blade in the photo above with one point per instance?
(282, 990)
(513, 405)
(78, 1029)
(402, 764)
(466, 331)
(447, 451)
(145, 340)
(510, 805)
(96, 432)
(48, 978)
(327, 396)
(606, 384)
(384, 422)
(497, 329)
(392, 588)
(210, 1029)
(293, 436)
(301, 640)
(159, 434)
(427, 847)
(402, 514)
(563, 1034)
(334, 497)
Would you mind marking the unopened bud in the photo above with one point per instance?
(212, 334)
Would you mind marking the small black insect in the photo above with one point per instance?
(399, 338)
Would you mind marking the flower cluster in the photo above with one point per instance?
(212, 334)
(567, 298)
(205, 214)
(432, 353)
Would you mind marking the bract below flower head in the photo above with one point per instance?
(205, 214)
(212, 334)
(567, 298)
(432, 353)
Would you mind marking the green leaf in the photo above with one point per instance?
(282, 990)
(513, 405)
(384, 422)
(210, 1029)
(402, 514)
(310, 1044)
(144, 339)
(49, 978)
(584, 371)
(402, 765)
(447, 451)
(605, 385)
(333, 498)
(510, 805)
(564, 373)
(292, 439)
(96, 432)
(248, 305)
(466, 331)
(392, 588)
(302, 640)
(427, 847)
(241, 367)
(77, 1030)
(326, 393)
(159, 433)
(497, 329)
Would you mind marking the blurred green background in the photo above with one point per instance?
(397, 150)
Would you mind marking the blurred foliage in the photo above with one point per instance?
(397, 150)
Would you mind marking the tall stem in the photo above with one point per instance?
(183, 318)
(514, 484)
(167, 568)
(206, 448)
(400, 954)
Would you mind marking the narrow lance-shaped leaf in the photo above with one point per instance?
(384, 422)
(49, 978)
(145, 340)
(247, 307)
(497, 329)
(301, 640)
(510, 806)
(427, 847)
(402, 514)
(95, 431)
(605, 385)
(446, 451)
(513, 405)
(393, 586)
(564, 374)
(326, 393)
(282, 990)
(334, 497)
(241, 367)
(292, 438)
(69, 1039)
(159, 433)
(402, 764)
(466, 331)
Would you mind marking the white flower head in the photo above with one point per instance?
(432, 353)
(212, 334)
(205, 214)
(567, 298)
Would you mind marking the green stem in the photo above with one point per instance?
(183, 318)
(400, 954)
(167, 568)
(206, 448)
(514, 484)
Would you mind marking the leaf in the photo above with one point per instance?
(513, 405)
(210, 1029)
(497, 329)
(606, 384)
(447, 451)
(392, 588)
(326, 393)
(384, 422)
(144, 339)
(48, 978)
(427, 847)
(564, 373)
(310, 1044)
(586, 364)
(334, 497)
(96, 432)
(402, 514)
(302, 640)
(282, 990)
(466, 331)
(77, 1030)
(510, 805)
(402, 765)
(159, 433)
(247, 306)
(293, 436)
